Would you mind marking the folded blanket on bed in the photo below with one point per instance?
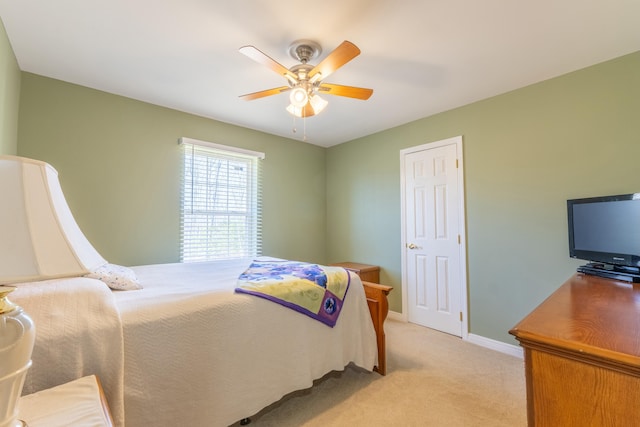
(311, 289)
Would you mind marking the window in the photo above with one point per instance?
(220, 202)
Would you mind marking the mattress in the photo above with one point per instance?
(198, 354)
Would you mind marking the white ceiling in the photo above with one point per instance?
(421, 57)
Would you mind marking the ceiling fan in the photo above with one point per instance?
(304, 80)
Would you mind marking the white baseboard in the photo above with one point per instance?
(510, 349)
(394, 315)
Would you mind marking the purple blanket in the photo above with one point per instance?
(311, 289)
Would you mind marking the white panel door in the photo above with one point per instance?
(433, 256)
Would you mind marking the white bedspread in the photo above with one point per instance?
(186, 350)
(78, 333)
(196, 354)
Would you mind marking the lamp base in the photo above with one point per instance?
(17, 337)
(11, 388)
(16, 423)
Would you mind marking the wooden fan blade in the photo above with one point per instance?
(336, 59)
(263, 93)
(348, 91)
(264, 59)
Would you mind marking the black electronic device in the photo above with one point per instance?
(609, 272)
(606, 231)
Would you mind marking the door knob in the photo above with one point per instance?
(412, 246)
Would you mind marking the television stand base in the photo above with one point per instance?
(609, 272)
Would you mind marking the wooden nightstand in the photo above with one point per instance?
(367, 273)
(76, 403)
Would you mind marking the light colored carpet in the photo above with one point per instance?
(433, 379)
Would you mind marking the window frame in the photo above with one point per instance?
(198, 241)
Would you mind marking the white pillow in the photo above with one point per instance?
(116, 277)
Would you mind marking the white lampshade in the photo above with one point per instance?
(298, 97)
(317, 103)
(313, 107)
(40, 238)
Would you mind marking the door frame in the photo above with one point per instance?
(457, 140)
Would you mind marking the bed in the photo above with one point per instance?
(186, 349)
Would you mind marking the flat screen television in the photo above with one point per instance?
(606, 232)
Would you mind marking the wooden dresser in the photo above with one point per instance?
(582, 355)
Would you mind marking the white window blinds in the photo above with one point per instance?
(221, 195)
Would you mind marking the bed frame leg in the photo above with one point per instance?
(379, 308)
(245, 421)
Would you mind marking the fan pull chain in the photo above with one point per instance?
(304, 126)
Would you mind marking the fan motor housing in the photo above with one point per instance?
(304, 50)
(301, 71)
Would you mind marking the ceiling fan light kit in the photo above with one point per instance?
(311, 108)
(318, 103)
(299, 97)
(305, 80)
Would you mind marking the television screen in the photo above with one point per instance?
(605, 229)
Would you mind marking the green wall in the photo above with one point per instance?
(525, 153)
(9, 95)
(119, 165)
